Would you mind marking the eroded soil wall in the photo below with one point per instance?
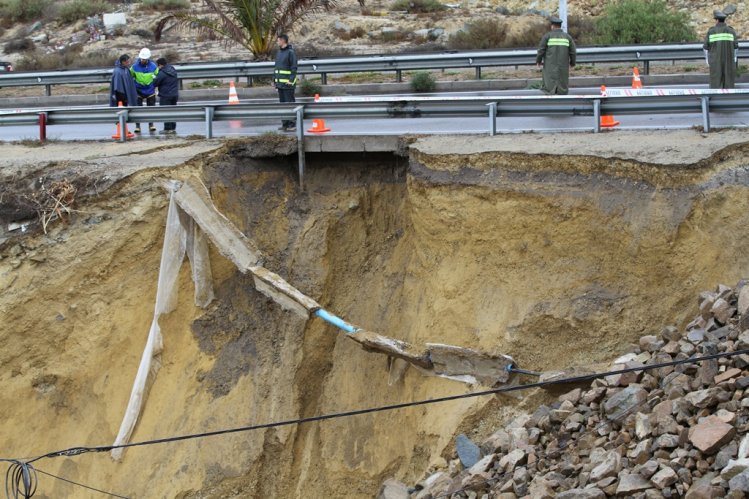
(555, 260)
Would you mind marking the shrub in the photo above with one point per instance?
(393, 36)
(71, 57)
(418, 6)
(495, 33)
(642, 21)
(423, 81)
(75, 10)
(19, 45)
(357, 32)
(171, 55)
(310, 51)
(310, 88)
(581, 29)
(23, 10)
(164, 5)
(143, 33)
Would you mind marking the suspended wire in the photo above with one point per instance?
(82, 485)
(74, 451)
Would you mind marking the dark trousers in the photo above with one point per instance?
(287, 95)
(120, 98)
(168, 101)
(150, 101)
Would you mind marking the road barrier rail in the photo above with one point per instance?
(644, 54)
(617, 102)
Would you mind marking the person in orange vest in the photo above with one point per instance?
(558, 53)
(721, 45)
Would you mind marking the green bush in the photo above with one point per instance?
(643, 21)
(75, 10)
(495, 33)
(423, 81)
(418, 6)
(310, 88)
(19, 45)
(23, 10)
(581, 29)
(164, 5)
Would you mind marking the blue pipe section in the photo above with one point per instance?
(335, 320)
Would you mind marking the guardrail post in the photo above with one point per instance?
(398, 75)
(47, 90)
(299, 110)
(646, 68)
(705, 99)
(181, 84)
(42, 127)
(249, 81)
(323, 78)
(597, 115)
(492, 118)
(478, 72)
(122, 118)
(209, 123)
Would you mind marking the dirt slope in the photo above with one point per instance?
(514, 244)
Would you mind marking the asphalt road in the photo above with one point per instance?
(395, 126)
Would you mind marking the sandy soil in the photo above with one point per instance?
(518, 244)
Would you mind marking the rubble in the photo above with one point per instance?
(675, 431)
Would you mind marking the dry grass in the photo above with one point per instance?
(496, 33)
(70, 57)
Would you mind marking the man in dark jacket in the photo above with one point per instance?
(721, 43)
(122, 86)
(284, 76)
(168, 85)
(558, 53)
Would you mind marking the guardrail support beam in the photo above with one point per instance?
(597, 115)
(398, 75)
(209, 123)
(478, 72)
(705, 100)
(492, 118)
(323, 78)
(42, 127)
(646, 68)
(122, 117)
(47, 90)
(300, 143)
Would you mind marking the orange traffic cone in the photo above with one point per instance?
(636, 82)
(317, 97)
(233, 97)
(128, 133)
(607, 121)
(318, 126)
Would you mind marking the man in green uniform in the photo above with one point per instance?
(721, 44)
(557, 52)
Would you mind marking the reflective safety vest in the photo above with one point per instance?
(283, 76)
(559, 42)
(720, 37)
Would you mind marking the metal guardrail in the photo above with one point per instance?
(689, 101)
(381, 63)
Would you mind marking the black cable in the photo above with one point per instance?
(20, 480)
(74, 451)
(82, 485)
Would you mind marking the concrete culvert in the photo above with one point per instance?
(557, 250)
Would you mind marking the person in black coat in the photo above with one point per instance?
(284, 76)
(168, 85)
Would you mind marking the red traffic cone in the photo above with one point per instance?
(128, 134)
(636, 82)
(607, 121)
(318, 126)
(233, 97)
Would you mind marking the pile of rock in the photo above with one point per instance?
(677, 431)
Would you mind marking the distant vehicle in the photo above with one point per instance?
(5, 66)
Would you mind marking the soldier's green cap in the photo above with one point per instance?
(555, 20)
(718, 14)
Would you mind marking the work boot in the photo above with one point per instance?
(290, 129)
(151, 128)
(137, 128)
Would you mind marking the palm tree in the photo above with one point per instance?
(253, 24)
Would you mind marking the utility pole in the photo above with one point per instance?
(563, 14)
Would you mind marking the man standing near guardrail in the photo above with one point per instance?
(144, 71)
(284, 76)
(168, 84)
(722, 46)
(557, 52)
(121, 86)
